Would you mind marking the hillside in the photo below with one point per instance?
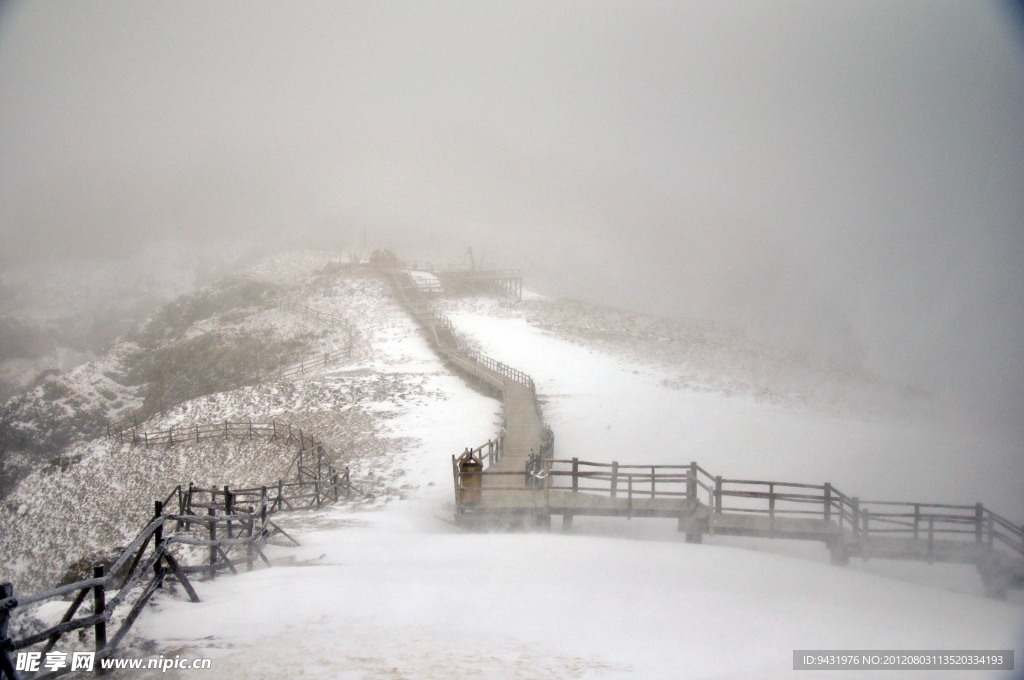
(207, 340)
(388, 587)
(398, 592)
(234, 332)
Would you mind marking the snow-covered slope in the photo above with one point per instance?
(57, 315)
(99, 491)
(388, 594)
(399, 592)
(390, 588)
(220, 337)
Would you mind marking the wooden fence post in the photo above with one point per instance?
(827, 500)
(252, 539)
(228, 509)
(575, 474)
(99, 606)
(979, 527)
(211, 514)
(615, 477)
(691, 482)
(6, 665)
(718, 494)
(158, 538)
(855, 520)
(931, 537)
(653, 477)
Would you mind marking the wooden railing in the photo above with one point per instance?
(313, 467)
(194, 532)
(198, 432)
(468, 468)
(432, 268)
(444, 339)
(861, 520)
(615, 480)
(169, 547)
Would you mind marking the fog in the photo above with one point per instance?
(846, 178)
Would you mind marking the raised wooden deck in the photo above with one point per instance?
(515, 480)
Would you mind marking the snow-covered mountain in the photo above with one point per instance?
(57, 315)
(389, 588)
(220, 337)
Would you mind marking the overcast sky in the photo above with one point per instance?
(846, 176)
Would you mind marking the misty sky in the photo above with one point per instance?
(844, 176)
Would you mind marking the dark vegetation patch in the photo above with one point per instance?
(166, 361)
(212, 362)
(233, 296)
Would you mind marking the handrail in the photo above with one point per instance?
(431, 319)
(780, 499)
(863, 519)
(220, 526)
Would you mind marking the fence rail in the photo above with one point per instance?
(863, 520)
(445, 340)
(194, 532)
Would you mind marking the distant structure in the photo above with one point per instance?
(460, 278)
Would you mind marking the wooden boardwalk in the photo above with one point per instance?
(707, 505)
(515, 480)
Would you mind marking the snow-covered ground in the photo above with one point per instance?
(606, 401)
(104, 490)
(397, 591)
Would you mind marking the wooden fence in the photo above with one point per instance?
(444, 339)
(469, 277)
(469, 466)
(195, 532)
(862, 520)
